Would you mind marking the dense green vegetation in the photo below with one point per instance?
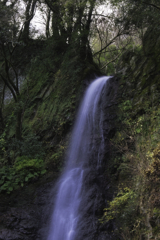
(42, 78)
(135, 163)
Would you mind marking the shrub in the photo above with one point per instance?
(23, 171)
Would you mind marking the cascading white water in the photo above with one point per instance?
(87, 135)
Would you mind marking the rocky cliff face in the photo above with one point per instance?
(21, 213)
(134, 169)
(25, 214)
(129, 176)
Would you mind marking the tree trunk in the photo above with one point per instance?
(1, 122)
(18, 133)
(47, 23)
(29, 14)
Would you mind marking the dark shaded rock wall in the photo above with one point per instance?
(97, 188)
(22, 214)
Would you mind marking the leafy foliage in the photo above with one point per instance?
(23, 171)
(135, 157)
(30, 147)
(117, 208)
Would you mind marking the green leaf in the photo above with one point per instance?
(9, 177)
(30, 175)
(43, 171)
(138, 130)
(10, 189)
(17, 180)
(26, 179)
(1, 182)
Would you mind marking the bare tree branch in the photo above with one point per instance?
(112, 41)
(49, 3)
(10, 88)
(151, 4)
(111, 61)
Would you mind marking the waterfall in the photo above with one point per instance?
(86, 145)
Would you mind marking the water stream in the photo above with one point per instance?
(87, 142)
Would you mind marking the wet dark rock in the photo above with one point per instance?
(24, 212)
